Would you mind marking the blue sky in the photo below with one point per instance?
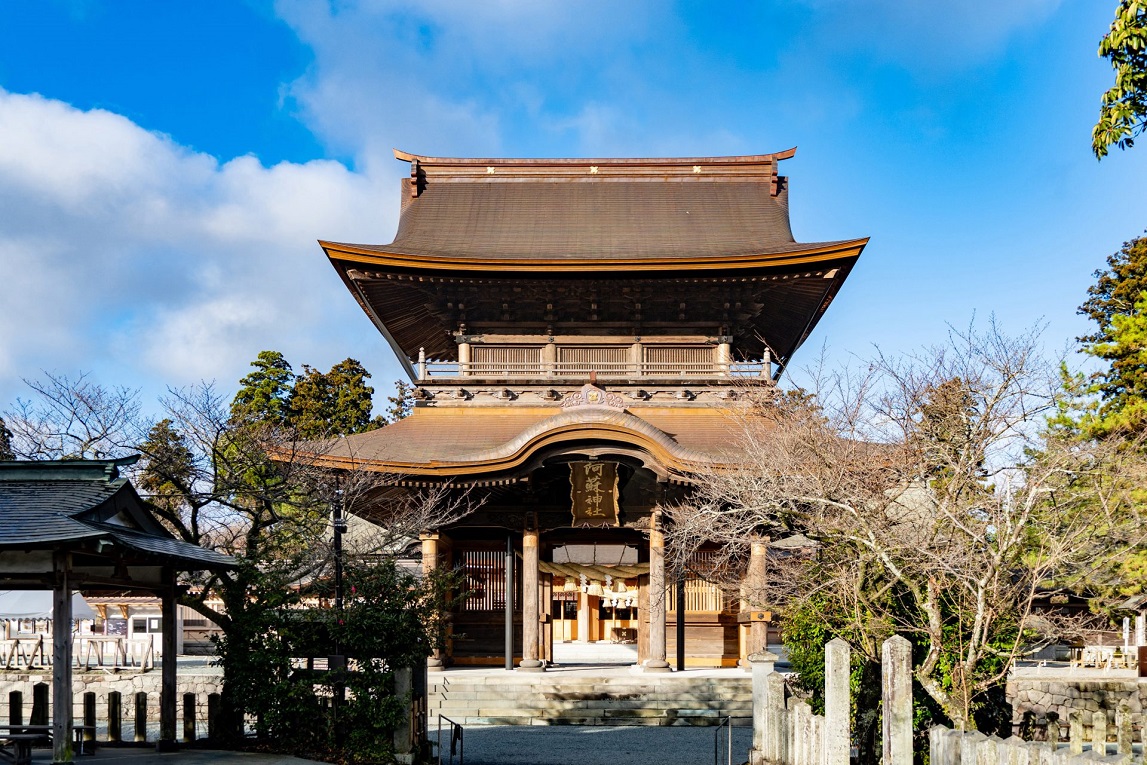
(165, 168)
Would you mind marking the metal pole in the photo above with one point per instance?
(681, 620)
(509, 602)
(337, 663)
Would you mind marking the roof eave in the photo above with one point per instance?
(344, 254)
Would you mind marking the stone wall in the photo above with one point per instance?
(1034, 695)
(127, 683)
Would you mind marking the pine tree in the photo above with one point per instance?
(265, 393)
(351, 398)
(1116, 304)
(169, 467)
(401, 403)
(5, 442)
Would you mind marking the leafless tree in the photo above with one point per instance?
(249, 489)
(935, 501)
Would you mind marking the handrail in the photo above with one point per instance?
(456, 742)
(727, 723)
(454, 369)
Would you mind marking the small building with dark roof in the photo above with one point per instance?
(78, 525)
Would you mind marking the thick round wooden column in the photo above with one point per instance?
(757, 579)
(429, 563)
(530, 662)
(656, 661)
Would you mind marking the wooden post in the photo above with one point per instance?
(430, 540)
(115, 717)
(39, 704)
(755, 582)
(530, 611)
(62, 662)
(15, 708)
(189, 717)
(896, 671)
(656, 661)
(837, 702)
(213, 715)
(140, 716)
(167, 691)
(89, 717)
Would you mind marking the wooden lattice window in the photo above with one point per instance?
(678, 360)
(485, 581)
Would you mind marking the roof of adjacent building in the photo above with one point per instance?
(46, 504)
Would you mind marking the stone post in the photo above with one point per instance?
(776, 720)
(837, 703)
(1123, 728)
(39, 704)
(656, 661)
(1140, 629)
(62, 712)
(1075, 725)
(1099, 733)
(896, 671)
(403, 738)
(1053, 730)
(762, 666)
(530, 609)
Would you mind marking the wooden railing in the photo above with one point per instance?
(440, 370)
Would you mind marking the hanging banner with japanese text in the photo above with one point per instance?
(593, 489)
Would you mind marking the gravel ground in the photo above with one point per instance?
(498, 745)
(598, 745)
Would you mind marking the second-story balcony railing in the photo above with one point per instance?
(449, 370)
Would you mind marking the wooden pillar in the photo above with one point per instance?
(656, 661)
(463, 359)
(530, 611)
(584, 617)
(430, 540)
(62, 662)
(167, 700)
(755, 582)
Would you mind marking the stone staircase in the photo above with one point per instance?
(590, 697)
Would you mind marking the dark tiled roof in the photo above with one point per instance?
(38, 512)
(594, 220)
(46, 504)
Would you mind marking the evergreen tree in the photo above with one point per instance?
(265, 393)
(168, 470)
(5, 442)
(337, 403)
(351, 398)
(401, 403)
(1116, 304)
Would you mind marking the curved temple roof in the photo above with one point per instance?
(510, 227)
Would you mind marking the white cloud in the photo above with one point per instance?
(124, 252)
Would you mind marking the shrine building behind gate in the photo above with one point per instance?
(579, 332)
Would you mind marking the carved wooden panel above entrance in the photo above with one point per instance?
(593, 491)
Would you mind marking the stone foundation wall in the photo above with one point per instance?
(1034, 696)
(101, 683)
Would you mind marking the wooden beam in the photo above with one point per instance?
(167, 705)
(62, 661)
